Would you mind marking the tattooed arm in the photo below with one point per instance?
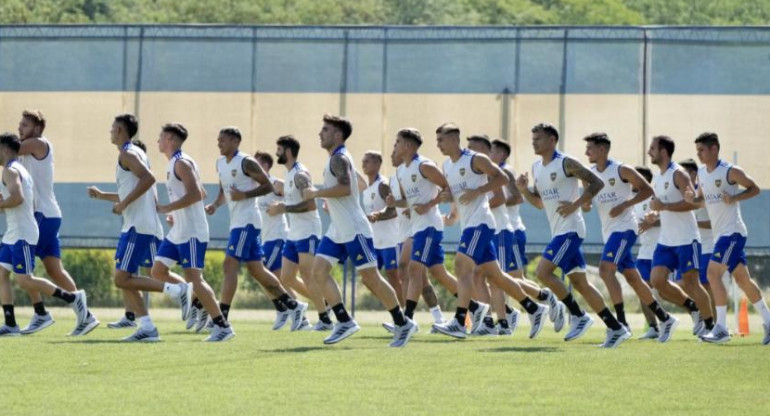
(302, 181)
(340, 167)
(388, 212)
(253, 170)
(593, 184)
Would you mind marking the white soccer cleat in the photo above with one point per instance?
(85, 327)
(143, 335)
(766, 339)
(558, 323)
(297, 315)
(697, 323)
(389, 327)
(184, 298)
(10, 331)
(193, 319)
(38, 323)
(667, 328)
(513, 321)
(80, 306)
(305, 325)
(203, 321)
(219, 334)
(452, 328)
(404, 333)
(341, 331)
(578, 326)
(615, 337)
(718, 335)
(486, 331)
(121, 323)
(553, 304)
(433, 330)
(504, 331)
(281, 317)
(651, 333)
(537, 320)
(477, 318)
(322, 326)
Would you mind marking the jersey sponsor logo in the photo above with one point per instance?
(553, 176)
(718, 182)
(612, 181)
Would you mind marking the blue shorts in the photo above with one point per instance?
(645, 267)
(189, 255)
(135, 250)
(18, 257)
(48, 243)
(426, 247)
(519, 248)
(273, 250)
(360, 250)
(617, 250)
(729, 251)
(565, 251)
(387, 258)
(245, 244)
(680, 259)
(293, 248)
(702, 270)
(478, 243)
(504, 245)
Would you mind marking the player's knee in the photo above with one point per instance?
(606, 269)
(25, 281)
(120, 280)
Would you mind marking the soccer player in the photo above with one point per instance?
(678, 249)
(720, 191)
(18, 243)
(136, 202)
(36, 155)
(302, 240)
(188, 237)
(614, 203)
(241, 181)
(349, 236)
(556, 190)
(470, 177)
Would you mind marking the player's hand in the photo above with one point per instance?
(373, 217)
(118, 208)
(522, 182)
(468, 196)
(236, 195)
(390, 201)
(656, 205)
(643, 226)
(407, 213)
(210, 209)
(276, 208)
(421, 209)
(617, 210)
(163, 209)
(445, 195)
(325, 206)
(449, 218)
(651, 217)
(308, 193)
(586, 206)
(94, 192)
(727, 198)
(566, 208)
(689, 196)
(170, 220)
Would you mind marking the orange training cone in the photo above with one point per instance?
(743, 317)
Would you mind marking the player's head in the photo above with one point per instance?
(371, 162)
(691, 167)
(228, 140)
(172, 136)
(408, 141)
(31, 125)
(264, 159)
(661, 149)
(286, 146)
(9, 147)
(395, 159)
(448, 138)
(335, 131)
(501, 150)
(544, 138)
(707, 147)
(480, 143)
(597, 147)
(645, 172)
(124, 128)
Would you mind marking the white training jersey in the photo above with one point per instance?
(726, 219)
(273, 226)
(677, 228)
(554, 186)
(41, 171)
(404, 223)
(20, 220)
(142, 214)
(500, 213)
(513, 210)
(303, 224)
(462, 178)
(648, 239)
(189, 222)
(384, 233)
(419, 190)
(346, 216)
(243, 212)
(706, 234)
(615, 192)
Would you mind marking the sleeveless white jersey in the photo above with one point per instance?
(500, 213)
(141, 214)
(648, 239)
(461, 178)
(41, 171)
(20, 220)
(347, 219)
(726, 219)
(404, 223)
(303, 224)
(273, 226)
(677, 228)
(384, 233)
(189, 222)
(513, 211)
(554, 186)
(615, 192)
(419, 190)
(706, 234)
(243, 212)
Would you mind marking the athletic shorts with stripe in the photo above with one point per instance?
(617, 250)
(190, 254)
(729, 250)
(293, 248)
(478, 244)
(679, 259)
(272, 250)
(245, 244)
(426, 247)
(360, 250)
(18, 257)
(565, 251)
(135, 250)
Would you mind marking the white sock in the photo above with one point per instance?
(145, 322)
(761, 307)
(172, 289)
(722, 316)
(436, 312)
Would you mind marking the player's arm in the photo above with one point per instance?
(218, 201)
(498, 198)
(592, 185)
(389, 212)
(253, 170)
(96, 193)
(705, 224)
(514, 197)
(636, 180)
(695, 197)
(13, 183)
(737, 175)
(532, 196)
(452, 216)
(278, 187)
(682, 182)
(341, 170)
(400, 203)
(192, 187)
(139, 169)
(34, 147)
(495, 178)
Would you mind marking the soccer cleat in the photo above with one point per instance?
(553, 304)
(281, 317)
(578, 326)
(297, 315)
(558, 323)
(10, 331)
(80, 307)
(85, 327)
(504, 331)
(193, 319)
(651, 333)
(38, 323)
(697, 324)
(513, 321)
(667, 328)
(486, 331)
(537, 320)
(305, 325)
(203, 320)
(322, 326)
(341, 331)
(766, 339)
(615, 337)
(184, 299)
(452, 328)
(121, 323)
(220, 334)
(433, 330)
(628, 328)
(389, 327)
(143, 335)
(718, 335)
(477, 318)
(404, 333)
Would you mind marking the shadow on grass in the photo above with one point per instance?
(97, 341)
(299, 350)
(520, 349)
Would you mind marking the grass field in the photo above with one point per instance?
(277, 373)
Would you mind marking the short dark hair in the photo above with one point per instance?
(11, 140)
(289, 142)
(265, 158)
(411, 134)
(231, 131)
(599, 139)
(481, 138)
(645, 172)
(448, 128)
(374, 154)
(129, 122)
(176, 129)
(502, 145)
(140, 144)
(666, 143)
(340, 123)
(547, 129)
(708, 139)
(36, 117)
(689, 165)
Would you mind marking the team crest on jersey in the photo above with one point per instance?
(718, 183)
(462, 171)
(234, 172)
(665, 185)
(372, 195)
(553, 176)
(168, 175)
(644, 207)
(612, 181)
(414, 178)
(291, 184)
